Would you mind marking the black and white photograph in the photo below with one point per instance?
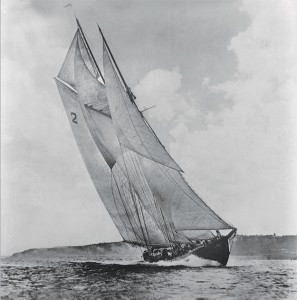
(148, 149)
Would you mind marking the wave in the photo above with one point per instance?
(191, 261)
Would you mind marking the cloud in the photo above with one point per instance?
(162, 88)
(247, 162)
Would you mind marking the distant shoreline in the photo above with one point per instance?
(243, 247)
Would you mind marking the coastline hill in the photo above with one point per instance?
(253, 246)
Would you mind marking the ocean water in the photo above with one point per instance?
(104, 278)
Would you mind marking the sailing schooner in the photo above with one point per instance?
(140, 184)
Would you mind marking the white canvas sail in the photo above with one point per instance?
(130, 163)
(179, 202)
(129, 203)
(67, 70)
(129, 123)
(110, 185)
(116, 197)
(139, 183)
(90, 90)
(92, 99)
(99, 171)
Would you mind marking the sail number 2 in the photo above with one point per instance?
(74, 117)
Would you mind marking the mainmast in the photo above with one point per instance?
(89, 50)
(128, 89)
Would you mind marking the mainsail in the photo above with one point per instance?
(140, 184)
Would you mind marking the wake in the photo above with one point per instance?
(190, 261)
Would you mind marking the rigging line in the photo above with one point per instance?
(97, 74)
(118, 55)
(120, 90)
(106, 45)
(130, 94)
(140, 204)
(150, 127)
(89, 50)
(217, 215)
(163, 227)
(93, 46)
(166, 228)
(128, 112)
(141, 176)
(128, 90)
(173, 180)
(145, 226)
(129, 181)
(137, 110)
(124, 205)
(121, 223)
(151, 156)
(132, 194)
(143, 182)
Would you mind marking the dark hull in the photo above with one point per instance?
(217, 250)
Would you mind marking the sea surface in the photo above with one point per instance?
(124, 278)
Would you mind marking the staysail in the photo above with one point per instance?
(178, 199)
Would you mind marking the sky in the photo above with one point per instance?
(223, 77)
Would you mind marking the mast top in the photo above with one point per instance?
(127, 88)
(89, 49)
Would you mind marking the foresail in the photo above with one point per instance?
(132, 130)
(99, 171)
(180, 204)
